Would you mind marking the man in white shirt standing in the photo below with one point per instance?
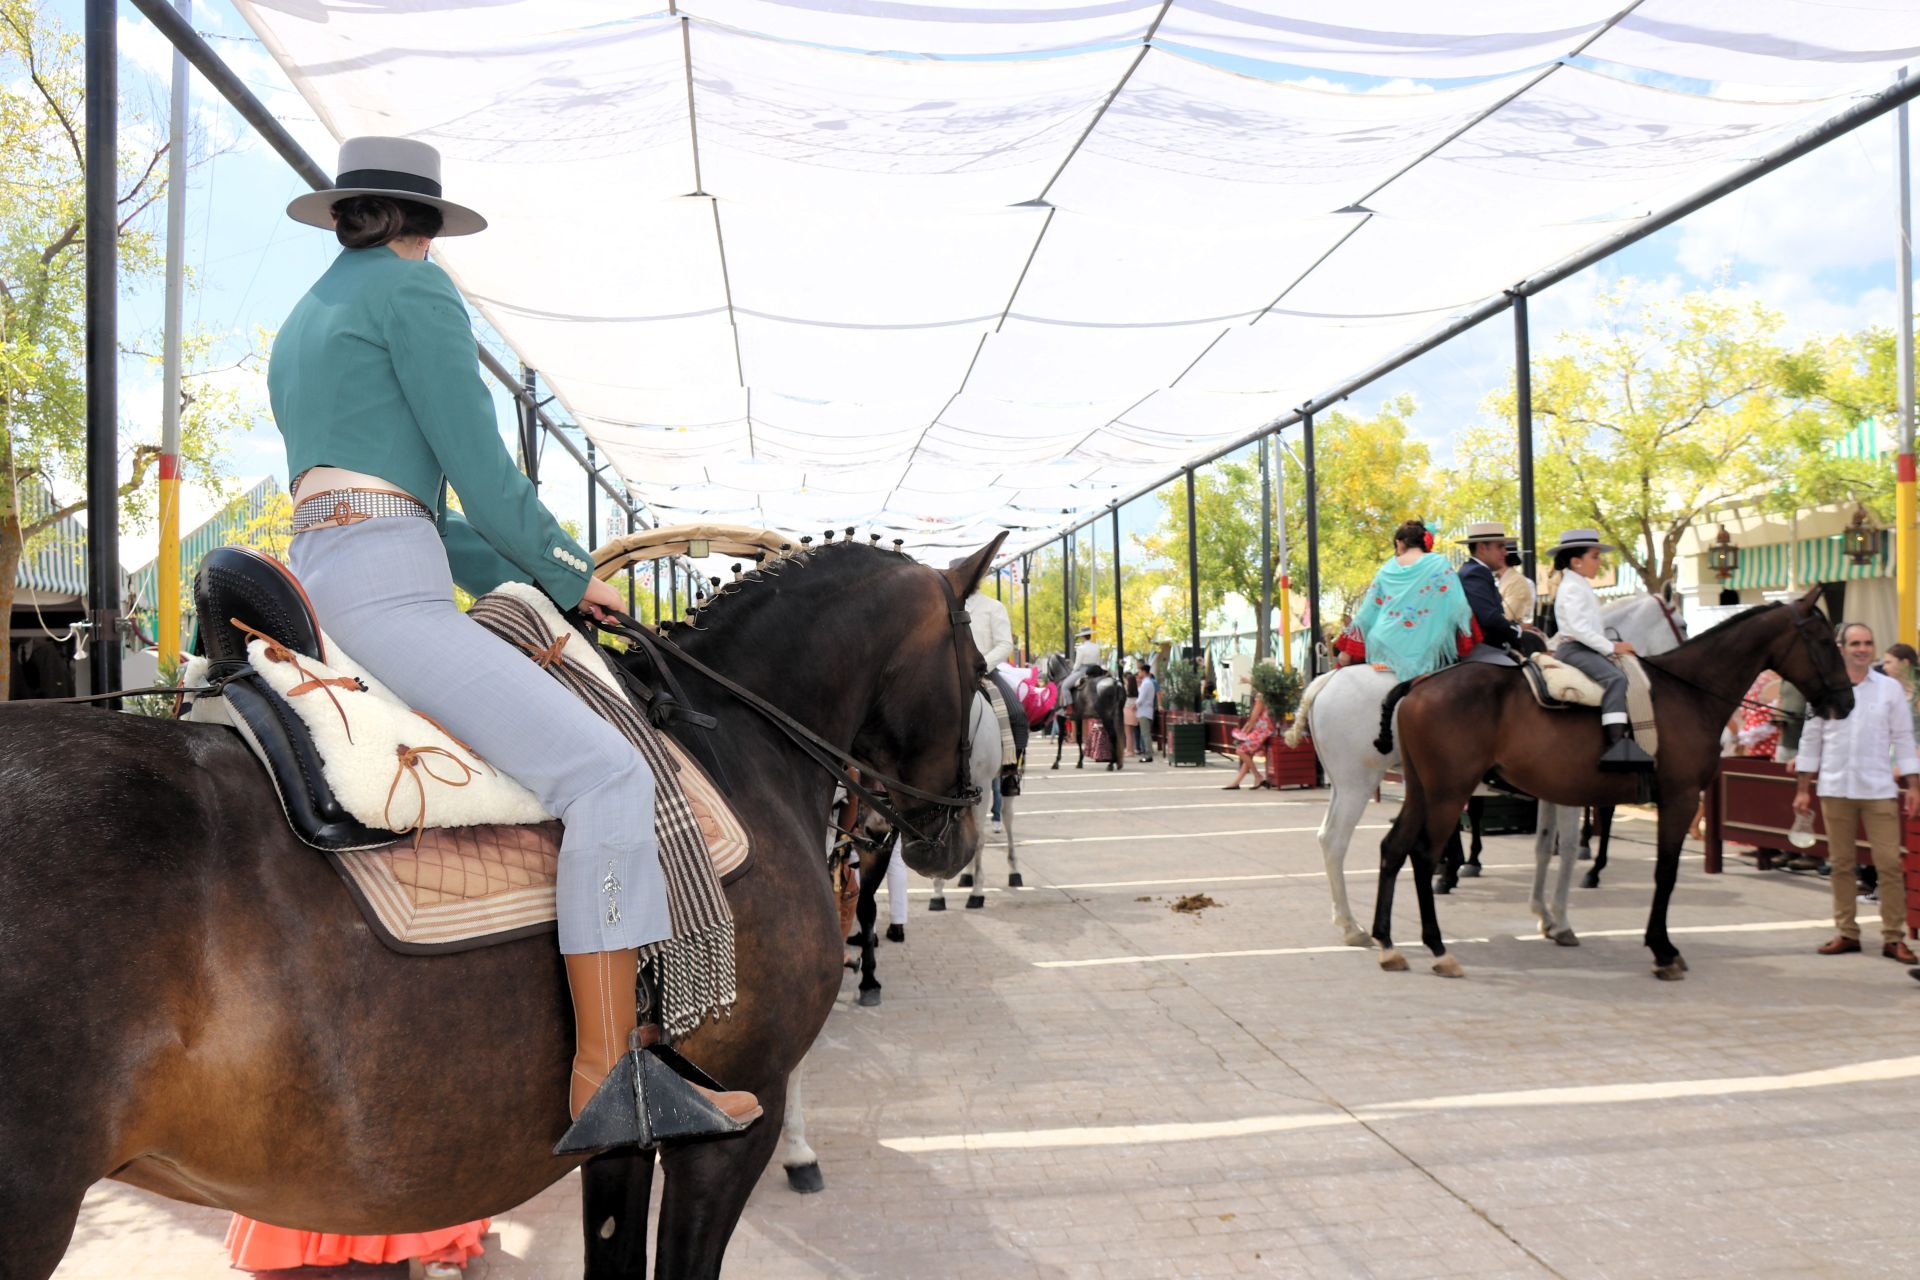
(1855, 761)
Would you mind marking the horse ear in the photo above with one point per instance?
(966, 575)
(1810, 601)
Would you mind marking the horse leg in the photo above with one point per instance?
(707, 1187)
(978, 878)
(1586, 835)
(1477, 821)
(1443, 964)
(40, 1213)
(615, 1193)
(1014, 880)
(1452, 862)
(1059, 739)
(1344, 811)
(872, 872)
(796, 1155)
(1676, 815)
(1393, 855)
(1080, 741)
(1603, 825)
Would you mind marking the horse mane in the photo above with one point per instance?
(835, 559)
(1741, 617)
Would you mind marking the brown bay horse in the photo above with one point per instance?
(194, 1006)
(1458, 725)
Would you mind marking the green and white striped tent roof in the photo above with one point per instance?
(1865, 442)
(55, 563)
(1819, 560)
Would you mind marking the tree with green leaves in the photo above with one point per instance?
(43, 296)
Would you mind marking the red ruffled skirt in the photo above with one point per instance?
(255, 1246)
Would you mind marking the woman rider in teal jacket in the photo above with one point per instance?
(375, 387)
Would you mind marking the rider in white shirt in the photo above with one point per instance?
(993, 637)
(1583, 644)
(1086, 654)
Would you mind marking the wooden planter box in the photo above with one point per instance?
(1187, 743)
(1292, 766)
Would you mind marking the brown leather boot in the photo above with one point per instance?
(605, 1010)
(605, 987)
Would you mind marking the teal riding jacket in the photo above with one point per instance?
(376, 371)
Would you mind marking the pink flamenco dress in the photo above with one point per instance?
(256, 1246)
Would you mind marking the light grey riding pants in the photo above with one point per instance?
(383, 591)
(1612, 680)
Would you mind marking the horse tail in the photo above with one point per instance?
(1384, 743)
(1298, 729)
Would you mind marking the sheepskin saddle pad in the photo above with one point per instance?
(441, 851)
(1557, 687)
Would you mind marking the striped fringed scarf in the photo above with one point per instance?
(695, 965)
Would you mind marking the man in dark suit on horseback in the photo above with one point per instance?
(1486, 544)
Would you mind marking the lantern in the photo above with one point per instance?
(1723, 557)
(1862, 539)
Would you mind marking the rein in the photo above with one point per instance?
(213, 688)
(1800, 622)
(841, 765)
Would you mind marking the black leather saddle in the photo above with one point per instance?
(237, 586)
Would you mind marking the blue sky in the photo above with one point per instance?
(1815, 241)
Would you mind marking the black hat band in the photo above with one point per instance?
(389, 180)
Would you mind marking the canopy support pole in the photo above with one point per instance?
(1906, 549)
(1523, 414)
(166, 633)
(1026, 614)
(529, 426)
(1066, 594)
(103, 348)
(1119, 616)
(1264, 628)
(1286, 582)
(631, 610)
(593, 511)
(1193, 574)
(1315, 637)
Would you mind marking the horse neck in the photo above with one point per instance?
(1723, 664)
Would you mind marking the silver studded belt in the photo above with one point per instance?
(332, 508)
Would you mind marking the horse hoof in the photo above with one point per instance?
(806, 1179)
(1015, 882)
(1355, 938)
(896, 933)
(1591, 880)
(1448, 967)
(976, 901)
(1565, 938)
(965, 881)
(1673, 972)
(1056, 764)
(938, 904)
(1471, 870)
(1586, 855)
(1392, 961)
(1441, 886)
(869, 997)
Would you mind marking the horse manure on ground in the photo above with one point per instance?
(1192, 903)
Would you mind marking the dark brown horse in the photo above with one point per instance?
(1100, 698)
(1456, 726)
(193, 1005)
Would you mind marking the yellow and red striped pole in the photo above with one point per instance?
(167, 638)
(1906, 540)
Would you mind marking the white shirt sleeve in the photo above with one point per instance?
(1577, 613)
(1905, 761)
(993, 633)
(1811, 734)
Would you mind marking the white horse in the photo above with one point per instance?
(986, 765)
(796, 1156)
(1342, 712)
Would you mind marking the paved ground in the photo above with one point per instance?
(1290, 1109)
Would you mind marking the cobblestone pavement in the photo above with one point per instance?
(1292, 1110)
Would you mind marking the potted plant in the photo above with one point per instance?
(1180, 685)
(1286, 766)
(1280, 686)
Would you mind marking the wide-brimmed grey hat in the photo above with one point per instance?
(1084, 633)
(1581, 540)
(400, 168)
(1483, 531)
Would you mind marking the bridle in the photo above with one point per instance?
(843, 766)
(1673, 625)
(1802, 628)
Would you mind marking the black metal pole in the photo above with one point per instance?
(530, 427)
(1066, 593)
(1266, 555)
(1523, 413)
(653, 572)
(630, 573)
(593, 510)
(1193, 571)
(1314, 639)
(1026, 614)
(103, 347)
(1119, 614)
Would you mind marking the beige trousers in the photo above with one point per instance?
(1882, 821)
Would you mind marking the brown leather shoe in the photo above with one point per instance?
(1840, 945)
(1898, 950)
(741, 1107)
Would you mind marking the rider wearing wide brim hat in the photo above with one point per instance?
(1486, 544)
(1086, 657)
(381, 407)
(1583, 644)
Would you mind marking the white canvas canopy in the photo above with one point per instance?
(937, 270)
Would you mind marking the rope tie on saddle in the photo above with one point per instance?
(276, 652)
(456, 739)
(414, 762)
(550, 654)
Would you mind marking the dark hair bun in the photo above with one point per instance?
(1411, 533)
(364, 222)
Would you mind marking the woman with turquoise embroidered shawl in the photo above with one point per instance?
(1414, 618)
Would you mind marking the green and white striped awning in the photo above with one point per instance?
(1819, 560)
(55, 563)
(1863, 442)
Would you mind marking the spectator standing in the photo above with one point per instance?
(1855, 762)
(1130, 713)
(1145, 703)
